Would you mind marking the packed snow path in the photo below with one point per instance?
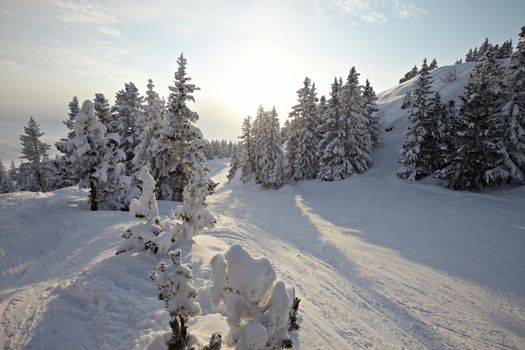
(381, 263)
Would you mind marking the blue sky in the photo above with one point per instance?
(240, 53)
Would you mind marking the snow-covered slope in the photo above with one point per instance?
(378, 262)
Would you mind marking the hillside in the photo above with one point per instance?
(378, 262)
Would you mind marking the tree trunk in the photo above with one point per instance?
(93, 195)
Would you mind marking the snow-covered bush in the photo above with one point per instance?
(137, 236)
(174, 283)
(259, 310)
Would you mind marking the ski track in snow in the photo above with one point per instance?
(379, 263)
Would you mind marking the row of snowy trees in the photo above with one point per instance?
(480, 144)
(326, 139)
(415, 71)
(499, 52)
(218, 149)
(106, 146)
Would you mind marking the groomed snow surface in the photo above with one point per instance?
(377, 262)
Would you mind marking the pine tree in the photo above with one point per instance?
(73, 111)
(357, 140)
(149, 125)
(246, 156)
(86, 150)
(34, 151)
(333, 163)
(505, 50)
(175, 285)
(301, 149)
(446, 129)
(271, 161)
(469, 57)
(127, 112)
(479, 155)
(257, 139)
(433, 64)
(513, 110)
(176, 136)
(371, 113)
(103, 112)
(416, 152)
(484, 48)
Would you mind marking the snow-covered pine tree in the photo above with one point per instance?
(235, 164)
(370, 112)
(149, 125)
(479, 155)
(127, 111)
(303, 134)
(484, 48)
(433, 64)
(175, 139)
(271, 161)
(175, 285)
(469, 56)
(333, 163)
(446, 129)
(257, 143)
(192, 213)
(137, 237)
(103, 112)
(73, 111)
(505, 51)
(246, 154)
(357, 141)
(34, 151)
(420, 137)
(85, 152)
(514, 110)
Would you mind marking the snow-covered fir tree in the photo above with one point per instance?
(257, 142)
(74, 108)
(127, 112)
(175, 285)
(193, 213)
(433, 64)
(149, 124)
(417, 152)
(333, 163)
(303, 135)
(371, 113)
(34, 151)
(259, 310)
(505, 51)
(87, 152)
(513, 110)
(175, 139)
(103, 112)
(271, 159)
(357, 141)
(137, 237)
(479, 157)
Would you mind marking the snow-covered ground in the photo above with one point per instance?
(378, 262)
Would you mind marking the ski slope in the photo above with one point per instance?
(379, 263)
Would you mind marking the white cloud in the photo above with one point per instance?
(110, 32)
(81, 11)
(407, 8)
(376, 11)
